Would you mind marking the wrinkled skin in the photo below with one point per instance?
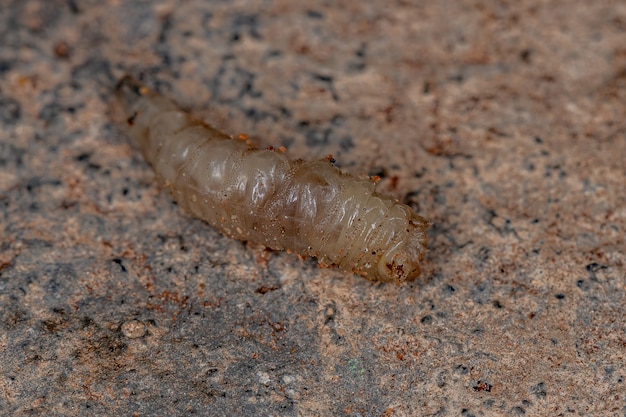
(262, 196)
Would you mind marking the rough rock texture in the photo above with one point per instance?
(502, 122)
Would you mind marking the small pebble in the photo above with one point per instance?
(133, 329)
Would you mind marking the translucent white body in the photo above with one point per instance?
(262, 196)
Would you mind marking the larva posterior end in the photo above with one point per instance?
(402, 262)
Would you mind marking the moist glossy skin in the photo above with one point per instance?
(310, 208)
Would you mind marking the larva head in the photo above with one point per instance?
(138, 103)
(149, 117)
(128, 91)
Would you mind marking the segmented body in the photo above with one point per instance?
(262, 196)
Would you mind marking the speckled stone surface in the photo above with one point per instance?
(503, 123)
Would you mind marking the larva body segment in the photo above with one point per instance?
(262, 196)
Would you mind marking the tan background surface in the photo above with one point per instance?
(502, 122)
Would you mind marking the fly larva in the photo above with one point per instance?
(262, 196)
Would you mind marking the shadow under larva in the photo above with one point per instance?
(262, 196)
